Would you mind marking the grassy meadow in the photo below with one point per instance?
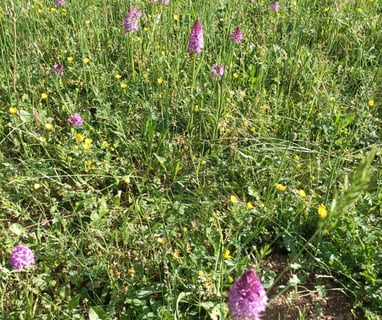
(177, 182)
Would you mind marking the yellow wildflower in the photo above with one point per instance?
(126, 180)
(234, 199)
(236, 75)
(87, 144)
(123, 85)
(36, 186)
(49, 126)
(227, 255)
(176, 17)
(132, 271)
(196, 108)
(118, 76)
(301, 193)
(161, 241)
(12, 110)
(249, 205)
(70, 59)
(280, 187)
(44, 96)
(322, 211)
(86, 60)
(371, 103)
(79, 137)
(176, 254)
(160, 80)
(87, 22)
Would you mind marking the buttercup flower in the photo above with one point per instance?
(58, 68)
(196, 41)
(75, 120)
(247, 297)
(227, 255)
(280, 187)
(13, 110)
(275, 6)
(236, 36)
(301, 193)
(21, 257)
(217, 70)
(130, 21)
(234, 199)
(322, 211)
(59, 3)
(79, 137)
(87, 143)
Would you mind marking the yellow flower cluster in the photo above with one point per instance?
(322, 211)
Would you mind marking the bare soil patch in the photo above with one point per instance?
(318, 297)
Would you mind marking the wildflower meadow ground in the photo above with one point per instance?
(157, 155)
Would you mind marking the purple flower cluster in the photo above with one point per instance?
(275, 6)
(21, 257)
(130, 21)
(217, 70)
(58, 68)
(236, 36)
(58, 3)
(247, 297)
(75, 120)
(196, 41)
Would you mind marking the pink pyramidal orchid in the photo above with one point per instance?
(196, 41)
(236, 36)
(21, 257)
(130, 21)
(247, 297)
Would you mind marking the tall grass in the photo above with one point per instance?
(184, 181)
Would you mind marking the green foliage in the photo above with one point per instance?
(177, 182)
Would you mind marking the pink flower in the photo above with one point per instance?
(75, 120)
(217, 70)
(275, 6)
(58, 3)
(196, 41)
(247, 297)
(21, 257)
(58, 68)
(236, 36)
(130, 21)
